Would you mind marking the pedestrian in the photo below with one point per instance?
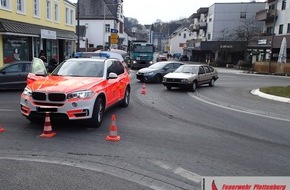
(51, 65)
(41, 53)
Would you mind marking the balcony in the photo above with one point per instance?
(266, 15)
(202, 25)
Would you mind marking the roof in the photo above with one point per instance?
(9, 26)
(94, 9)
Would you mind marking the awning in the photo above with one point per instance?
(9, 27)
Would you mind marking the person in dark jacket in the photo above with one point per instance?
(51, 65)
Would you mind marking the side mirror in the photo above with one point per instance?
(40, 73)
(112, 76)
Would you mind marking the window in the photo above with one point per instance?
(208, 36)
(56, 12)
(107, 28)
(48, 10)
(20, 6)
(243, 15)
(288, 28)
(270, 30)
(36, 9)
(14, 68)
(201, 70)
(5, 4)
(206, 68)
(184, 35)
(281, 29)
(283, 5)
(69, 16)
(272, 6)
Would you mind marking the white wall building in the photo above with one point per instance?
(100, 17)
(177, 40)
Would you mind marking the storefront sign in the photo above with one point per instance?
(48, 34)
(262, 42)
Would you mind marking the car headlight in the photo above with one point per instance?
(151, 62)
(134, 62)
(184, 80)
(27, 91)
(80, 94)
(148, 74)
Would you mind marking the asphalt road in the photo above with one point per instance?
(169, 139)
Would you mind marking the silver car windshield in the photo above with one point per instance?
(80, 68)
(187, 69)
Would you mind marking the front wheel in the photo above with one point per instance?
(158, 78)
(98, 114)
(194, 86)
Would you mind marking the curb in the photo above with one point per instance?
(257, 92)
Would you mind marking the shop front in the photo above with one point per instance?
(22, 41)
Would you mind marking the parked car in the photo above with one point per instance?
(161, 58)
(183, 58)
(78, 89)
(13, 75)
(156, 71)
(191, 76)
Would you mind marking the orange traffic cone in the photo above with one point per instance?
(143, 91)
(113, 134)
(47, 130)
(1, 129)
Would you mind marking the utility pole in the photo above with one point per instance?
(273, 34)
(78, 25)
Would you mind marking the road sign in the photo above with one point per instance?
(114, 39)
(114, 31)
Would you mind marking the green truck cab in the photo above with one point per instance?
(140, 54)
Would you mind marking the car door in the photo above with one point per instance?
(37, 70)
(168, 68)
(201, 75)
(11, 76)
(208, 74)
(112, 84)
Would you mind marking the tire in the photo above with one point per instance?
(168, 87)
(126, 100)
(98, 114)
(194, 86)
(212, 82)
(158, 78)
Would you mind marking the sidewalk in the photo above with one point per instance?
(257, 92)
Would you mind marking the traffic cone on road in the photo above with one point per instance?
(143, 91)
(113, 134)
(47, 130)
(1, 129)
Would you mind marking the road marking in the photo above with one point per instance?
(248, 111)
(178, 170)
(8, 110)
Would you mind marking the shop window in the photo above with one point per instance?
(16, 48)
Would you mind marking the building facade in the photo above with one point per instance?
(218, 31)
(28, 26)
(103, 21)
(276, 18)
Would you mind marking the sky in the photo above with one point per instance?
(148, 11)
